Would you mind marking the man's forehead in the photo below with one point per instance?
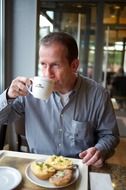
(53, 47)
(53, 44)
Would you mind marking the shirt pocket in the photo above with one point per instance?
(83, 133)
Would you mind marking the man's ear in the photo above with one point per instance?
(74, 65)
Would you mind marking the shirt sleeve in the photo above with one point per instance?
(3, 100)
(6, 109)
(107, 129)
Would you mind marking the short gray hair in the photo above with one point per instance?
(66, 40)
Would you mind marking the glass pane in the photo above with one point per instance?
(1, 46)
(115, 33)
(79, 20)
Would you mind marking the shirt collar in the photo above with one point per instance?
(78, 84)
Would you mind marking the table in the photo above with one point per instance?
(117, 173)
(20, 161)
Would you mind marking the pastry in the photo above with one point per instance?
(59, 162)
(42, 170)
(61, 177)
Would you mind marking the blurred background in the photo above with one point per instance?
(99, 28)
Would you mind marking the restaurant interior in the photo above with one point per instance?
(99, 28)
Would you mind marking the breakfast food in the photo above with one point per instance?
(59, 162)
(61, 177)
(42, 170)
(58, 170)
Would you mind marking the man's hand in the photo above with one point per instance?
(92, 156)
(18, 87)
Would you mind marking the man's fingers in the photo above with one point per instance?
(18, 87)
(92, 156)
(82, 154)
(91, 160)
(99, 163)
(89, 156)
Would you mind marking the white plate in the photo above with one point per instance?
(46, 183)
(9, 178)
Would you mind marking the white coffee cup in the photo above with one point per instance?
(41, 87)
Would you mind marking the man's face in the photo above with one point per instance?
(55, 65)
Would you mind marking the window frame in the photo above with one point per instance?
(2, 45)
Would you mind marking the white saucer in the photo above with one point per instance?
(9, 178)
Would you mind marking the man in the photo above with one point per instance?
(77, 120)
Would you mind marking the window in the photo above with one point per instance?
(1, 45)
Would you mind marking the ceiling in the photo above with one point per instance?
(114, 12)
(76, 5)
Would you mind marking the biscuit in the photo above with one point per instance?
(61, 178)
(59, 162)
(42, 170)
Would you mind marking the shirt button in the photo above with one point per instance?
(61, 115)
(59, 144)
(60, 130)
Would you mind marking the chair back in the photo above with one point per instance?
(119, 87)
(17, 138)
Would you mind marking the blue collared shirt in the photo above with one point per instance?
(87, 120)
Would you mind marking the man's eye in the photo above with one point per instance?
(43, 64)
(56, 65)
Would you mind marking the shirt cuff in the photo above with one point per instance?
(3, 100)
(103, 151)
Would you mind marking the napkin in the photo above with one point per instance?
(100, 181)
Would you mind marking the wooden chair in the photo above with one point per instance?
(118, 89)
(2, 135)
(17, 138)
